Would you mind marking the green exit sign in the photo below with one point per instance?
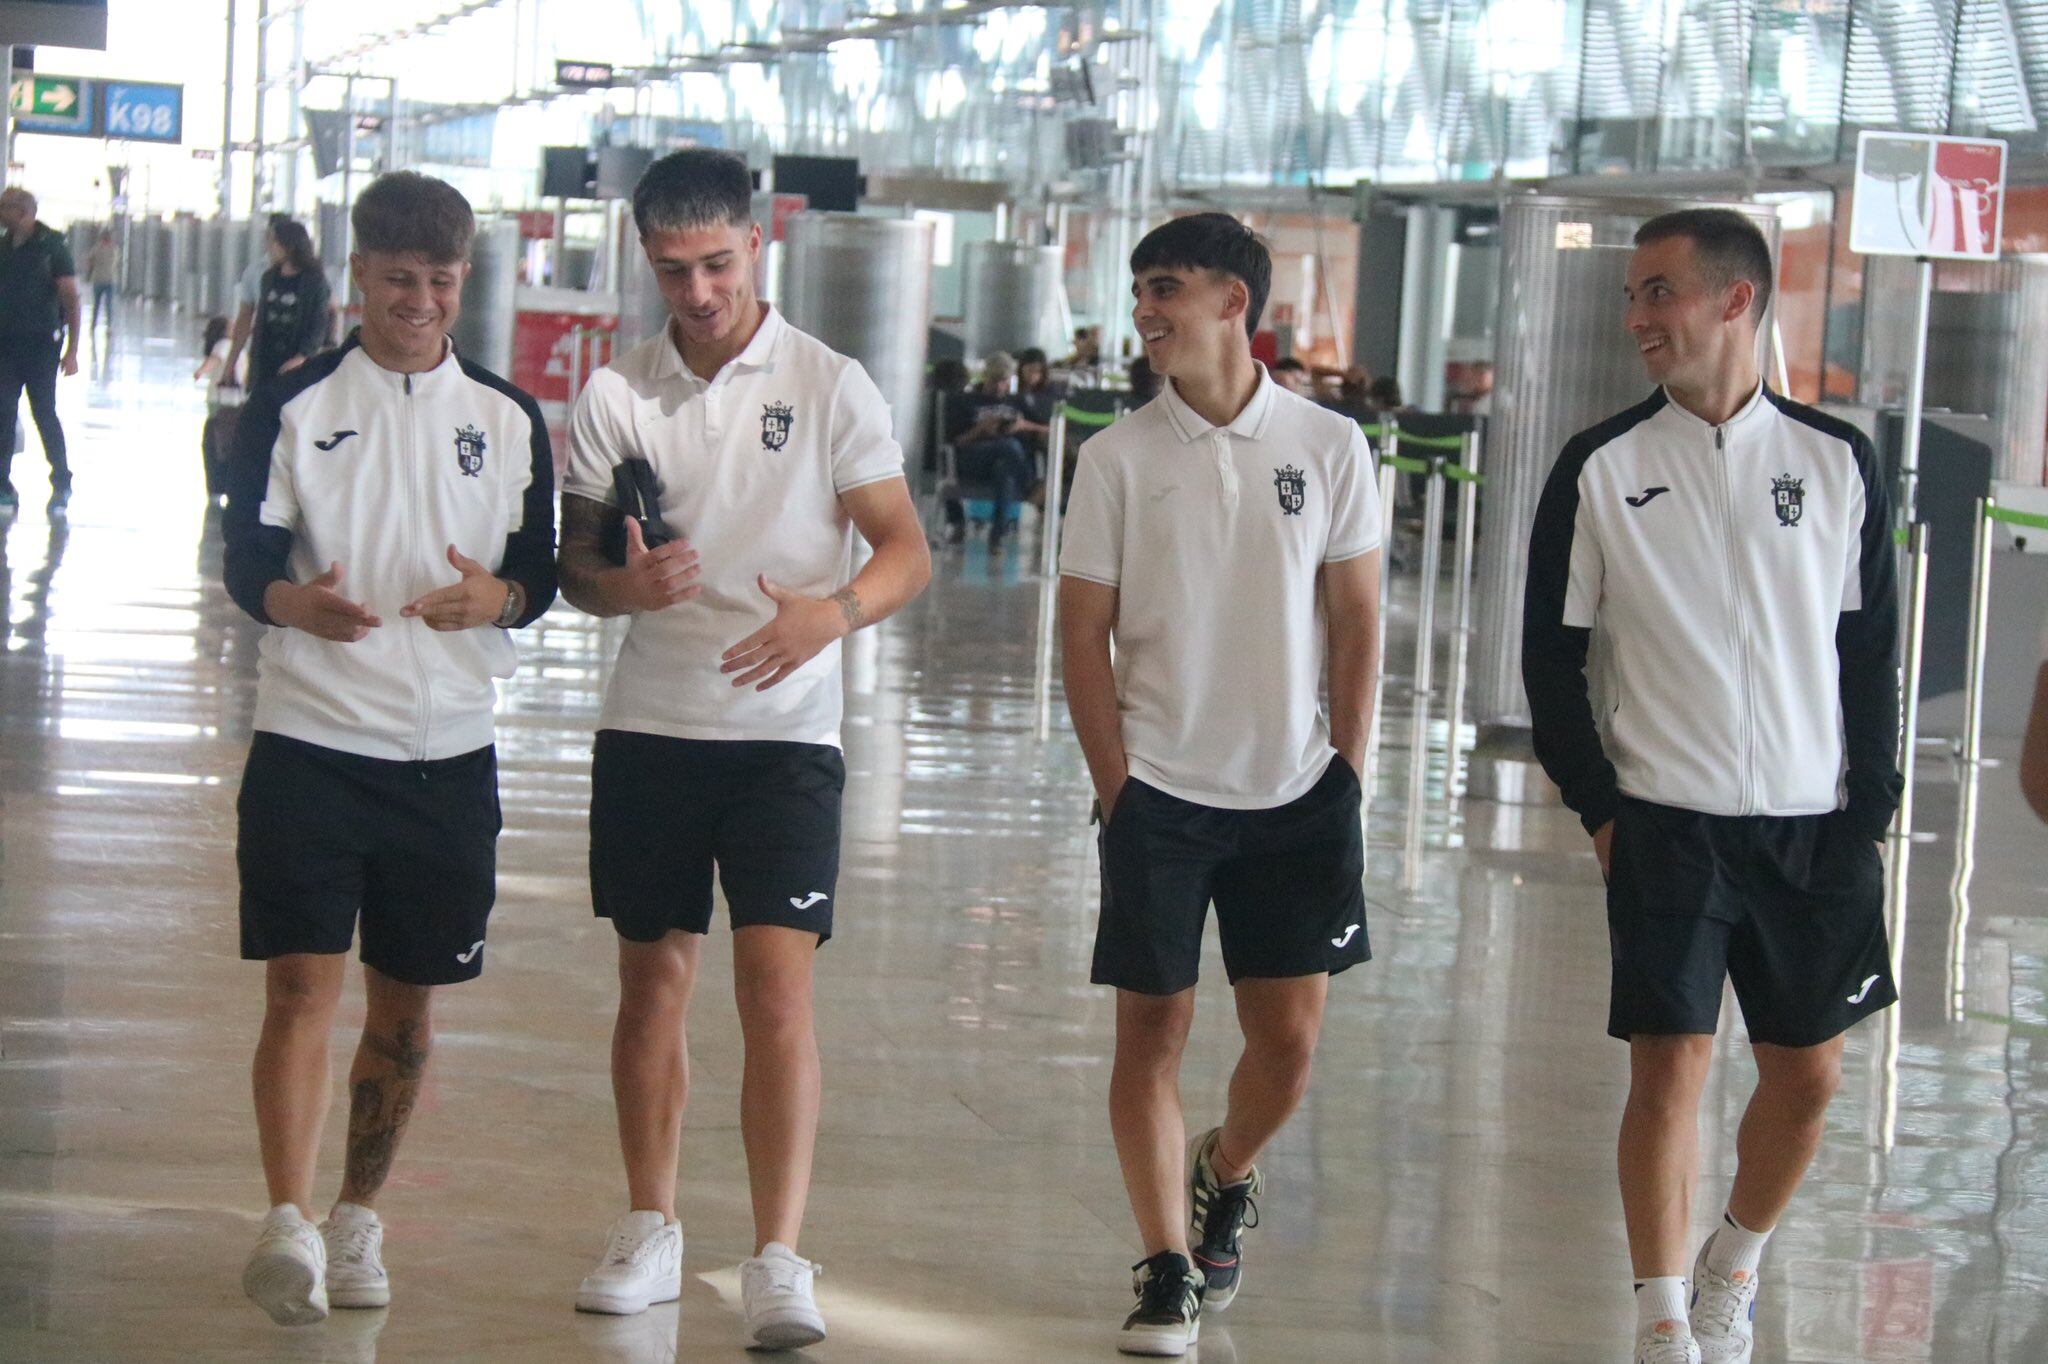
(59, 99)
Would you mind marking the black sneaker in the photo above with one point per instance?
(1168, 1317)
(60, 494)
(1222, 1213)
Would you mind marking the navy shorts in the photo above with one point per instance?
(1287, 883)
(1788, 907)
(665, 813)
(410, 848)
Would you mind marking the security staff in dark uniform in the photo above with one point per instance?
(38, 335)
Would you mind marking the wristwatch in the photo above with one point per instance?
(508, 614)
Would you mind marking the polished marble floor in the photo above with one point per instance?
(1446, 1193)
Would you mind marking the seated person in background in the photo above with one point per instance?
(988, 431)
(1293, 376)
(947, 378)
(1087, 349)
(1384, 395)
(1038, 397)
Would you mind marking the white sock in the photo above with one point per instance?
(1735, 1249)
(347, 1212)
(1660, 1300)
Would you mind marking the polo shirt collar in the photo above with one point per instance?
(1249, 424)
(759, 353)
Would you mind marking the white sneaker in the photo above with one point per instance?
(775, 1290)
(286, 1274)
(642, 1265)
(355, 1261)
(1723, 1312)
(1667, 1342)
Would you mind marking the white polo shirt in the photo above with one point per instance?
(1213, 537)
(751, 467)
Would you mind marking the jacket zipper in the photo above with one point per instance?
(1740, 621)
(419, 667)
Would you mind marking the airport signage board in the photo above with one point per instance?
(583, 75)
(143, 111)
(52, 104)
(1938, 198)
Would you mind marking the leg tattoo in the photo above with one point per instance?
(380, 1104)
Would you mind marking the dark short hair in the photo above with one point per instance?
(1211, 241)
(406, 213)
(1031, 355)
(1729, 246)
(1385, 390)
(695, 187)
(1290, 364)
(948, 375)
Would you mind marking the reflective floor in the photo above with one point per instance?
(1446, 1193)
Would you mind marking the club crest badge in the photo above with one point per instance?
(469, 450)
(1293, 488)
(1788, 494)
(776, 419)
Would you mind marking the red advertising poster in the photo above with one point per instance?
(553, 356)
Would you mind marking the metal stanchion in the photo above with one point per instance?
(1980, 624)
(1055, 471)
(1390, 447)
(1461, 610)
(1900, 838)
(1418, 778)
(1432, 569)
(576, 337)
(1049, 580)
(1914, 645)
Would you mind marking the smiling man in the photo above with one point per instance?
(1733, 756)
(733, 458)
(364, 481)
(1225, 538)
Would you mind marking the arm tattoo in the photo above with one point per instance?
(850, 607)
(580, 560)
(379, 1107)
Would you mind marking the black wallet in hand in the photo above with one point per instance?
(639, 495)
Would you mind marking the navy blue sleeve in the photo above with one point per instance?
(1866, 645)
(529, 557)
(1554, 654)
(530, 551)
(256, 553)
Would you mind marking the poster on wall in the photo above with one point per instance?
(1920, 195)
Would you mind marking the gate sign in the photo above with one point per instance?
(143, 111)
(1919, 195)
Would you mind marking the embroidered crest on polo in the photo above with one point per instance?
(1789, 495)
(776, 419)
(1293, 488)
(469, 450)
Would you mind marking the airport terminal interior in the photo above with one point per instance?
(1449, 192)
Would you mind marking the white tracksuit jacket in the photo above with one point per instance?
(1735, 589)
(344, 461)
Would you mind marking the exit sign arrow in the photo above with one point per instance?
(47, 96)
